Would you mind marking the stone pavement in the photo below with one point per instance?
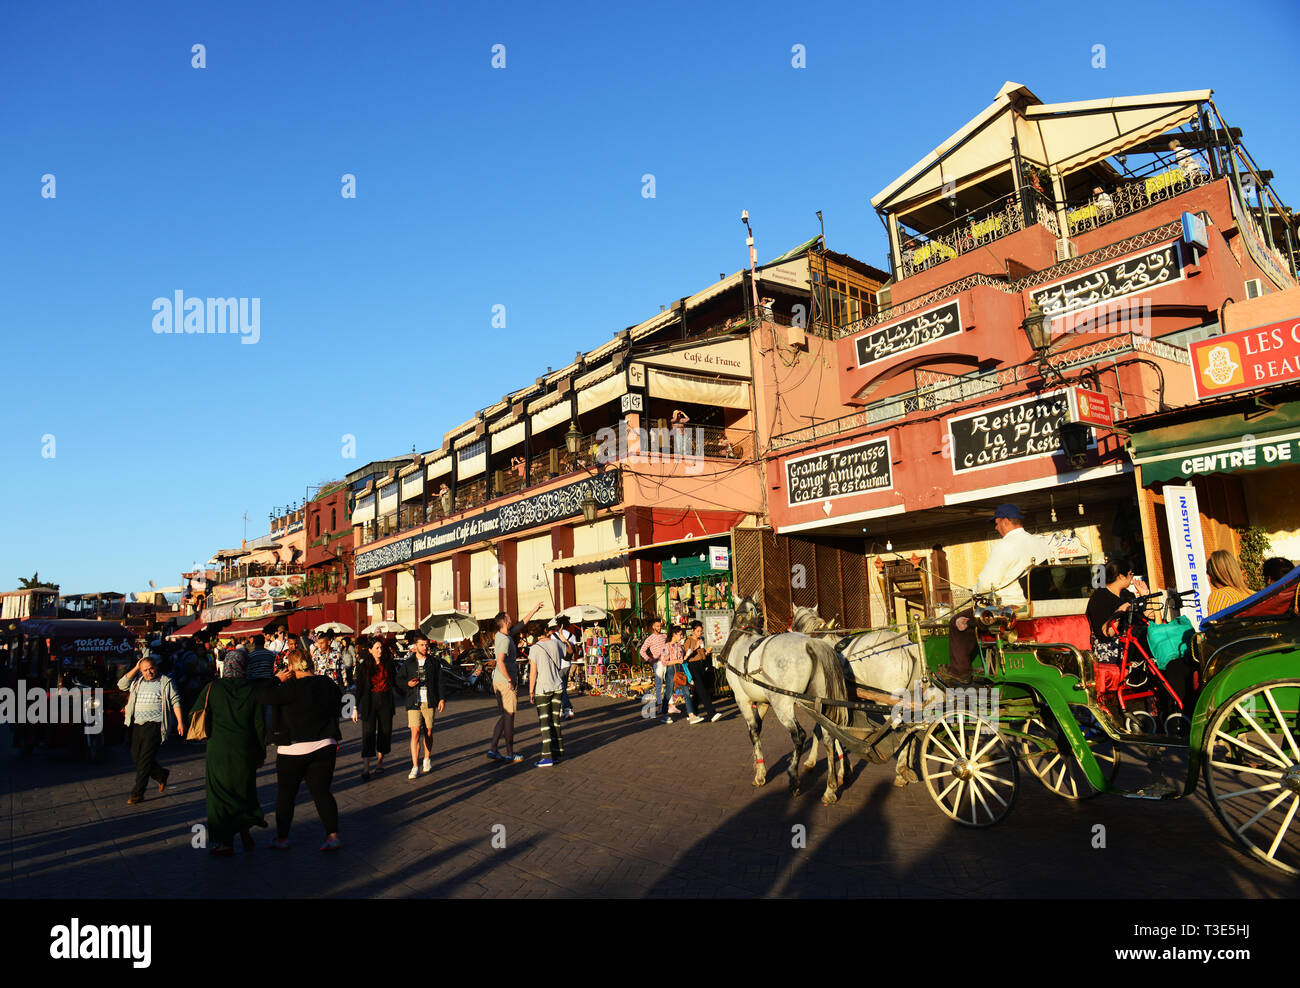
(638, 809)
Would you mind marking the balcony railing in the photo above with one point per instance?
(1106, 207)
(974, 230)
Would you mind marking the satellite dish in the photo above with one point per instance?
(152, 585)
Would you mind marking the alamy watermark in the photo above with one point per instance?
(34, 705)
(925, 706)
(668, 445)
(194, 316)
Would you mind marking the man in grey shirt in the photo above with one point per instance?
(505, 679)
(545, 683)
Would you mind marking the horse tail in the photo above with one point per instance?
(828, 679)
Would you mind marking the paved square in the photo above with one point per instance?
(637, 809)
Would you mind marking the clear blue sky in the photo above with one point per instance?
(475, 187)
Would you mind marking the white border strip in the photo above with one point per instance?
(896, 509)
(1075, 476)
(1185, 454)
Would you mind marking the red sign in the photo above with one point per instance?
(1091, 408)
(1253, 358)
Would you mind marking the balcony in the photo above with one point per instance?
(974, 230)
(1105, 207)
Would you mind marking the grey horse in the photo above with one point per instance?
(792, 663)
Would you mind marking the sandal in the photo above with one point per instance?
(379, 770)
(365, 774)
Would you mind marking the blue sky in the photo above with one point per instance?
(475, 187)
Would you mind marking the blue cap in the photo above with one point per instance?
(1008, 511)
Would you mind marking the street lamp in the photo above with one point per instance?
(589, 508)
(1038, 331)
(572, 439)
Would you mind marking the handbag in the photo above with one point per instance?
(199, 723)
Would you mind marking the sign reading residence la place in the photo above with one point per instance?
(857, 469)
(911, 333)
(540, 509)
(1022, 430)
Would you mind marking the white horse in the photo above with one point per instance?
(793, 663)
(885, 661)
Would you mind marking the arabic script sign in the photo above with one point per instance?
(1098, 286)
(909, 334)
(857, 469)
(540, 509)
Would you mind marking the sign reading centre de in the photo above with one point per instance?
(1243, 361)
(857, 469)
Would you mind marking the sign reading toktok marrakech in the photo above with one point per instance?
(911, 333)
(1022, 430)
(540, 509)
(857, 469)
(1097, 286)
(1252, 358)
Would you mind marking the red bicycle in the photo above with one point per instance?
(1139, 679)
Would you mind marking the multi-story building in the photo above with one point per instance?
(1040, 249)
(616, 480)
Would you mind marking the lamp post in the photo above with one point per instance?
(589, 508)
(1038, 331)
(572, 439)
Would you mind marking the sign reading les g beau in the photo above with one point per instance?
(1252, 358)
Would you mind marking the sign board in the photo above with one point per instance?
(254, 609)
(858, 469)
(636, 375)
(223, 612)
(224, 593)
(272, 587)
(633, 401)
(730, 357)
(1194, 231)
(1104, 285)
(1183, 515)
(1022, 430)
(1090, 407)
(908, 334)
(529, 512)
(717, 628)
(719, 557)
(1243, 361)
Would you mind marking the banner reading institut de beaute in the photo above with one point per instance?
(540, 509)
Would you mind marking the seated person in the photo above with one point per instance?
(1106, 603)
(1013, 554)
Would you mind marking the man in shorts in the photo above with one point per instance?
(420, 681)
(505, 684)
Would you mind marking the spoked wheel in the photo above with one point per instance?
(1057, 768)
(969, 769)
(1252, 771)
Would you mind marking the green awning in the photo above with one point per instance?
(1241, 437)
(686, 567)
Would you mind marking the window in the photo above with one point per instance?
(334, 519)
(318, 523)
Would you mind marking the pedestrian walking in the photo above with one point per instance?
(236, 749)
(652, 650)
(260, 662)
(306, 733)
(151, 703)
(545, 682)
(505, 679)
(673, 658)
(700, 673)
(376, 681)
(421, 683)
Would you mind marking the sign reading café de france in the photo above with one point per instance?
(857, 469)
(1022, 430)
(911, 333)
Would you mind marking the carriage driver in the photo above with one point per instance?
(1013, 554)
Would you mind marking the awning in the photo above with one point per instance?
(242, 629)
(364, 510)
(655, 546)
(595, 557)
(365, 593)
(1193, 441)
(696, 390)
(189, 630)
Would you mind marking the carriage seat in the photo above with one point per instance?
(1056, 621)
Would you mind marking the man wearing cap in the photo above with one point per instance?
(420, 681)
(1013, 554)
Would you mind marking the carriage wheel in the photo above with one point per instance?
(969, 769)
(1058, 770)
(1252, 771)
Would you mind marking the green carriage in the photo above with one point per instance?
(1242, 735)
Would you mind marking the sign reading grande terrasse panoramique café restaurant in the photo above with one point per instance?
(1020, 430)
(908, 334)
(540, 509)
(858, 469)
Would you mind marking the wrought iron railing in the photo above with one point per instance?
(1131, 197)
(974, 230)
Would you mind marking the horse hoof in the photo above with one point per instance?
(829, 798)
(758, 783)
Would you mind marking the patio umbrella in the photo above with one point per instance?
(384, 628)
(580, 613)
(338, 627)
(449, 626)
